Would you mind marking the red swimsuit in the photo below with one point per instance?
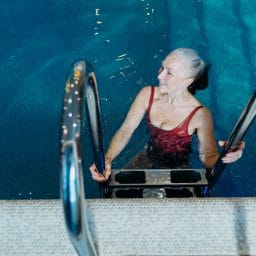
(168, 142)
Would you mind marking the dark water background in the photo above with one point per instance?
(126, 42)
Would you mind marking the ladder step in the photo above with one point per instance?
(158, 178)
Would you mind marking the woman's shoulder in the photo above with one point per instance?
(193, 102)
(143, 95)
(203, 113)
(149, 89)
(145, 92)
(146, 89)
(202, 118)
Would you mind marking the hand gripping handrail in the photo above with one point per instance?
(72, 188)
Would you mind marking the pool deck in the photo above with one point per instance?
(194, 226)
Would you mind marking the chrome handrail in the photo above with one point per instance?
(72, 188)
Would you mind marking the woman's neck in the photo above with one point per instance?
(176, 97)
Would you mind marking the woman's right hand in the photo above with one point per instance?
(100, 177)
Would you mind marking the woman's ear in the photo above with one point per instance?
(188, 81)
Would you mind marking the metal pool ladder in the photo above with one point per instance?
(81, 92)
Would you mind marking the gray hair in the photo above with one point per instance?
(195, 63)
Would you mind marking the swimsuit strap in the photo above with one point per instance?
(151, 99)
(187, 120)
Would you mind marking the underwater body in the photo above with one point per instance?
(125, 42)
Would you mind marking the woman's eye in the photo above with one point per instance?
(169, 73)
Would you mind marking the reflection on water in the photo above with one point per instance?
(126, 42)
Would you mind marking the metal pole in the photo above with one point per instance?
(94, 123)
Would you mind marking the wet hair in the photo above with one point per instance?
(197, 68)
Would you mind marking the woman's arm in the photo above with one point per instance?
(131, 122)
(208, 151)
(124, 133)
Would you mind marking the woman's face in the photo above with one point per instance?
(173, 74)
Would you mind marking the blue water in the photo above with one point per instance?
(125, 41)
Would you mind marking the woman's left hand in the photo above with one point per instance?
(234, 153)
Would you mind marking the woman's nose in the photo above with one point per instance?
(161, 74)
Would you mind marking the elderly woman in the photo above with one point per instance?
(173, 115)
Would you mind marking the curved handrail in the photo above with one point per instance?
(94, 121)
(72, 189)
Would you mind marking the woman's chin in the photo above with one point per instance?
(163, 89)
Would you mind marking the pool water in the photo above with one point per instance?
(126, 42)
